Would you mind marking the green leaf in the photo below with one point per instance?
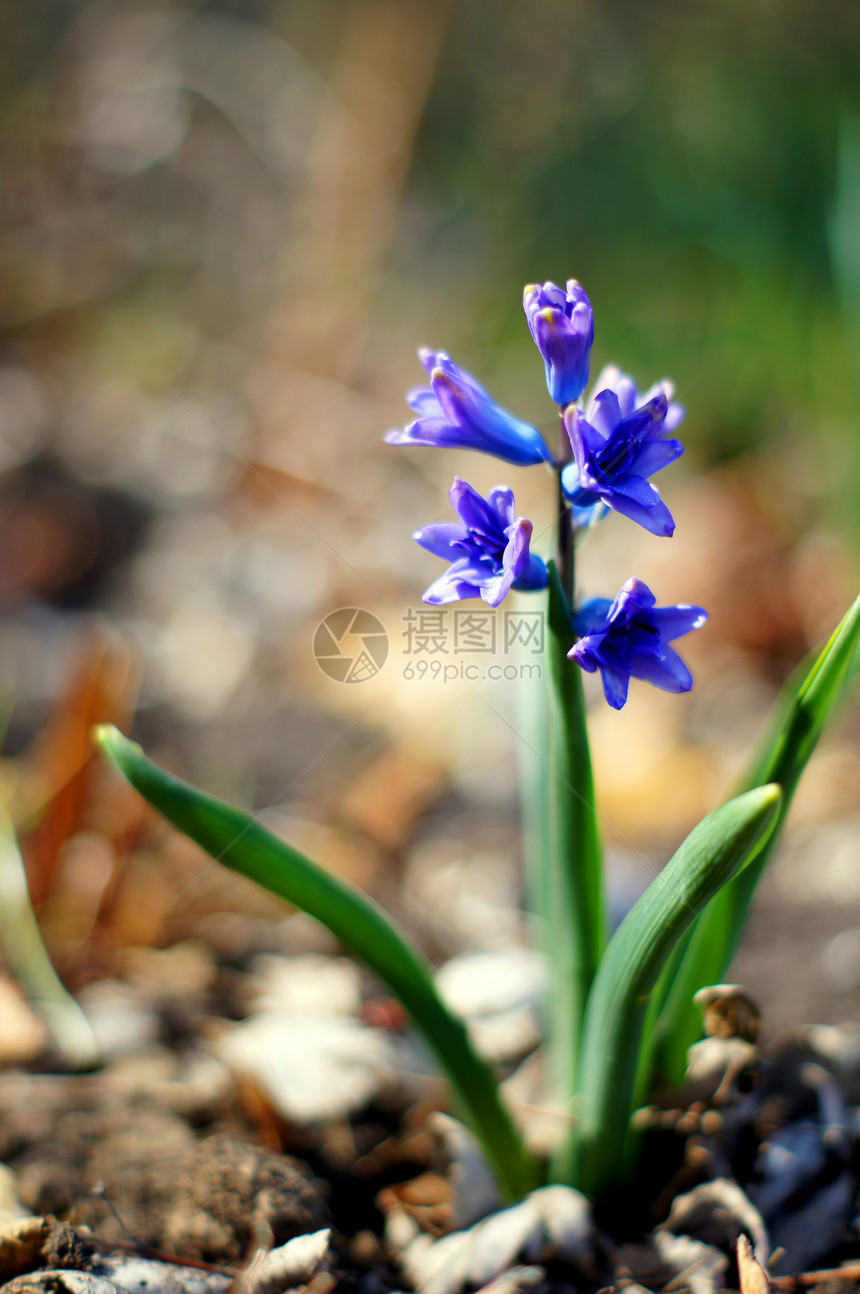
(802, 711)
(592, 1155)
(238, 841)
(574, 923)
(28, 959)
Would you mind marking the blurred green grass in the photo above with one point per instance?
(697, 168)
(695, 165)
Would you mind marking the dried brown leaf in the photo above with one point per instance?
(753, 1277)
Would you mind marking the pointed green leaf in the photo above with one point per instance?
(238, 841)
(715, 851)
(28, 958)
(802, 711)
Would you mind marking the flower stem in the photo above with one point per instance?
(566, 525)
(573, 916)
(574, 923)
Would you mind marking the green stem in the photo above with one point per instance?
(534, 758)
(575, 928)
(239, 842)
(574, 924)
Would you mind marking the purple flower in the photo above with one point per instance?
(456, 412)
(617, 444)
(488, 548)
(629, 638)
(612, 378)
(562, 325)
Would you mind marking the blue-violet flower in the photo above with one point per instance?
(629, 638)
(456, 412)
(611, 378)
(488, 548)
(562, 325)
(617, 444)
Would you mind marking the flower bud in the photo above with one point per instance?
(562, 326)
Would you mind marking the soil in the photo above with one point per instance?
(164, 1153)
(125, 1171)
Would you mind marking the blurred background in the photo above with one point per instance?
(225, 230)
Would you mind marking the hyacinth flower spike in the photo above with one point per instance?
(629, 638)
(561, 322)
(616, 446)
(455, 412)
(488, 548)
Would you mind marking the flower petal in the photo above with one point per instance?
(501, 500)
(635, 488)
(585, 653)
(516, 555)
(496, 590)
(437, 432)
(585, 440)
(675, 621)
(675, 415)
(605, 411)
(666, 671)
(429, 358)
(453, 585)
(644, 423)
(528, 569)
(440, 537)
(607, 379)
(655, 455)
(590, 515)
(633, 596)
(489, 427)
(424, 402)
(591, 616)
(616, 683)
(654, 516)
(475, 512)
(534, 577)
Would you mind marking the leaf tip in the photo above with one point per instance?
(769, 798)
(111, 741)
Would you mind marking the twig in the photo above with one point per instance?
(803, 1280)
